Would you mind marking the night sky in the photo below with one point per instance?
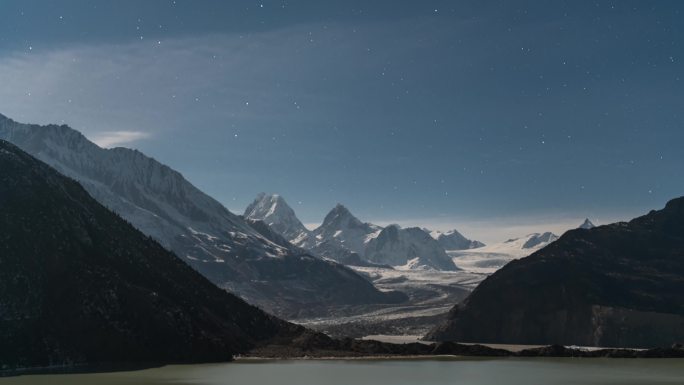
(495, 117)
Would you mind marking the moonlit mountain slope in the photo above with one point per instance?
(161, 203)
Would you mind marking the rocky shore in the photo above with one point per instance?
(319, 346)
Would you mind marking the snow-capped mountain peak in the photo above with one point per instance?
(411, 248)
(536, 239)
(586, 225)
(454, 240)
(341, 217)
(342, 226)
(274, 211)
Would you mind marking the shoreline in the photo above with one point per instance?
(550, 351)
(412, 357)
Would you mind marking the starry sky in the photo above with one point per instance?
(495, 117)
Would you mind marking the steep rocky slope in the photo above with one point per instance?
(79, 285)
(617, 285)
(410, 247)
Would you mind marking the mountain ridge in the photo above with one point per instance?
(79, 285)
(411, 247)
(344, 238)
(616, 285)
(161, 203)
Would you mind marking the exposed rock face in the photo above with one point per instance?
(343, 227)
(410, 247)
(161, 203)
(619, 285)
(79, 285)
(275, 212)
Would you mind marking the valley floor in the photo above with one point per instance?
(431, 294)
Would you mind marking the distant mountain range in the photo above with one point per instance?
(343, 237)
(222, 246)
(79, 285)
(490, 258)
(618, 285)
(453, 240)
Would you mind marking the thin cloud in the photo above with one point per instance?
(110, 139)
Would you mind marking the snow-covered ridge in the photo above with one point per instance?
(411, 248)
(453, 240)
(274, 211)
(346, 229)
(156, 199)
(343, 237)
(340, 237)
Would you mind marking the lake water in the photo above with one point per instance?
(390, 372)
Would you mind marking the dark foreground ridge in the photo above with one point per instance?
(80, 287)
(619, 285)
(316, 345)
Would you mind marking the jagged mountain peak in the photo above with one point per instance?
(410, 247)
(267, 205)
(389, 232)
(587, 224)
(454, 240)
(273, 210)
(340, 207)
(340, 216)
(343, 228)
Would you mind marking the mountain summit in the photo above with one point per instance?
(344, 238)
(342, 226)
(275, 212)
(411, 248)
(586, 225)
(453, 240)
